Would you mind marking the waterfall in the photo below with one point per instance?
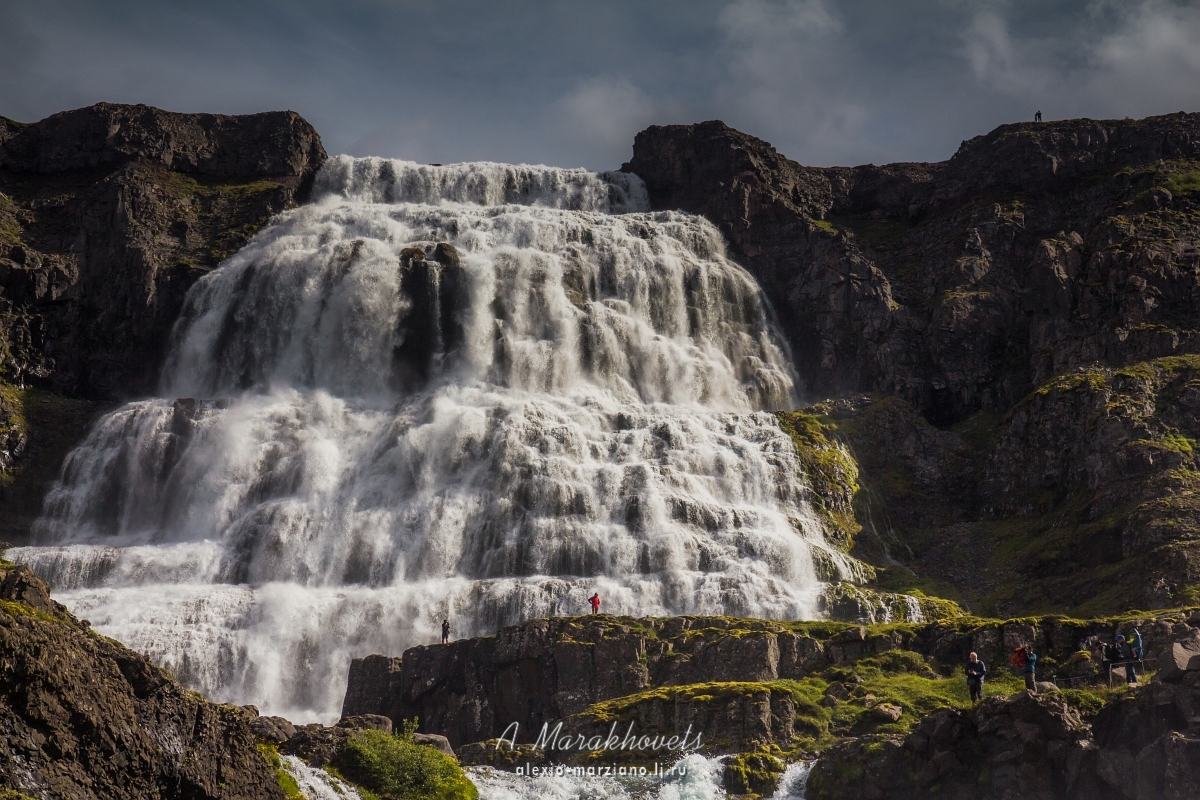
(477, 392)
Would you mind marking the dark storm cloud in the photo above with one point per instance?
(570, 83)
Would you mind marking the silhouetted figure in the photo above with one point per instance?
(1037, 117)
(595, 601)
(445, 631)
(976, 669)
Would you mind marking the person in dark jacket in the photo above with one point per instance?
(445, 631)
(976, 669)
(1030, 669)
(1131, 653)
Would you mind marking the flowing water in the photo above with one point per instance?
(361, 431)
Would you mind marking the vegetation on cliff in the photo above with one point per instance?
(386, 766)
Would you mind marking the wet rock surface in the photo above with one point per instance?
(83, 717)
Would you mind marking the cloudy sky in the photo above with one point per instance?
(571, 82)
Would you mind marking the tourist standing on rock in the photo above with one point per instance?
(1038, 116)
(1131, 653)
(595, 601)
(1026, 660)
(445, 631)
(976, 669)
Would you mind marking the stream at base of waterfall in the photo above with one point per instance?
(475, 392)
(693, 778)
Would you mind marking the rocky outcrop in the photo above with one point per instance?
(958, 286)
(1143, 746)
(714, 673)
(82, 716)
(108, 214)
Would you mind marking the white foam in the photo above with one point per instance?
(602, 425)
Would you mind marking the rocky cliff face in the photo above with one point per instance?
(83, 717)
(881, 708)
(959, 286)
(110, 213)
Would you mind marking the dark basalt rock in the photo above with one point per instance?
(430, 328)
(114, 211)
(82, 716)
(962, 285)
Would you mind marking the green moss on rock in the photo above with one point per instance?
(287, 783)
(832, 472)
(753, 774)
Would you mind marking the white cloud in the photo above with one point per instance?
(600, 116)
(787, 70)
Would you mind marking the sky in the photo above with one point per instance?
(570, 83)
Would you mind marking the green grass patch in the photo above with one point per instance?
(1184, 182)
(1178, 443)
(392, 767)
(823, 224)
(10, 225)
(15, 609)
(270, 754)
(877, 233)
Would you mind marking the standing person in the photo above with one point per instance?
(445, 631)
(1038, 116)
(976, 669)
(1130, 653)
(1026, 660)
(595, 601)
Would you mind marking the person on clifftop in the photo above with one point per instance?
(595, 601)
(1038, 116)
(976, 669)
(445, 631)
(1131, 653)
(1026, 660)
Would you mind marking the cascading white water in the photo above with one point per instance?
(380, 431)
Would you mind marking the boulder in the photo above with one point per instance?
(18, 584)
(435, 741)
(887, 712)
(1179, 657)
(275, 730)
(366, 722)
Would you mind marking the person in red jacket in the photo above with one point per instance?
(595, 601)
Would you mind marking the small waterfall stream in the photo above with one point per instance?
(476, 391)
